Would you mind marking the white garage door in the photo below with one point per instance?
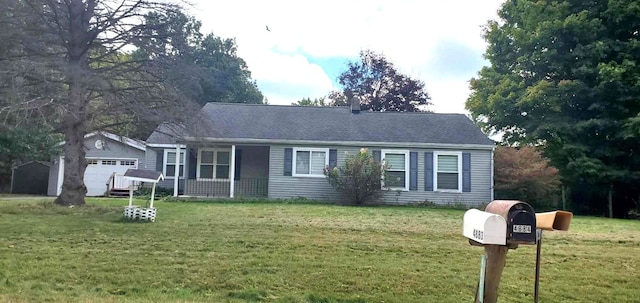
(99, 170)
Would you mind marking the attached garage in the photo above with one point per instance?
(106, 154)
(99, 170)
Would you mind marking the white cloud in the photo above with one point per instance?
(407, 32)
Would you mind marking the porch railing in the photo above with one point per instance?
(248, 187)
(117, 182)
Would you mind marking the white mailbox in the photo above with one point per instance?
(484, 227)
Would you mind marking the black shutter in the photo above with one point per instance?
(466, 172)
(236, 175)
(428, 171)
(333, 158)
(159, 159)
(193, 163)
(377, 156)
(288, 160)
(413, 171)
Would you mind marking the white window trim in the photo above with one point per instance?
(309, 149)
(215, 163)
(435, 171)
(164, 162)
(406, 167)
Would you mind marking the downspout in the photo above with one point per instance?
(492, 173)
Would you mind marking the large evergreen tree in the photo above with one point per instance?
(564, 76)
(79, 66)
(71, 58)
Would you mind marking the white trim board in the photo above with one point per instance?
(124, 140)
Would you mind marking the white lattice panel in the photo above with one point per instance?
(140, 213)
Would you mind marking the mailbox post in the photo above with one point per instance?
(517, 225)
(504, 225)
(554, 220)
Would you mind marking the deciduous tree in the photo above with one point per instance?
(210, 69)
(564, 75)
(523, 174)
(381, 86)
(315, 102)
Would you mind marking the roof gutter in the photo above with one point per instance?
(186, 140)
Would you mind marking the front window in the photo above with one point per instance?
(310, 161)
(169, 167)
(397, 169)
(448, 171)
(214, 163)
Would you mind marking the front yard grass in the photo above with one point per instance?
(275, 252)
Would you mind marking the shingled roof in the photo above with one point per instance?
(327, 124)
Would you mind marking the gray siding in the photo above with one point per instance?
(480, 184)
(281, 186)
(113, 149)
(150, 159)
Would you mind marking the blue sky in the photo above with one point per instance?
(332, 66)
(309, 43)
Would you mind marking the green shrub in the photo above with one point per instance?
(359, 179)
(160, 192)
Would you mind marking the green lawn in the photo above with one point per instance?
(276, 252)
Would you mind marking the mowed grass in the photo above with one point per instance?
(277, 252)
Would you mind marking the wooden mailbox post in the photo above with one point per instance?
(504, 225)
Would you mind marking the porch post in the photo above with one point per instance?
(232, 171)
(176, 174)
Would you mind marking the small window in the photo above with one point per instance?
(92, 162)
(214, 163)
(310, 161)
(169, 167)
(109, 162)
(397, 174)
(128, 163)
(448, 171)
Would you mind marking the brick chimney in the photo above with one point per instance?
(355, 105)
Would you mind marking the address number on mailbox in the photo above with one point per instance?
(522, 229)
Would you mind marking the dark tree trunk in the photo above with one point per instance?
(73, 188)
(76, 117)
(75, 163)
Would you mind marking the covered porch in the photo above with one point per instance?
(225, 170)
